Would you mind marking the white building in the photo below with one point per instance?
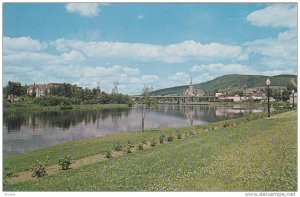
(41, 89)
(229, 98)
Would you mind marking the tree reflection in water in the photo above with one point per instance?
(59, 119)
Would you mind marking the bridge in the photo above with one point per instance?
(176, 99)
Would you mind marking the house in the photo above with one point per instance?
(229, 98)
(218, 94)
(41, 89)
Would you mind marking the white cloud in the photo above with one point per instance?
(222, 69)
(84, 9)
(208, 72)
(276, 15)
(86, 63)
(140, 17)
(73, 56)
(179, 76)
(145, 79)
(190, 49)
(275, 52)
(15, 45)
(174, 53)
(278, 72)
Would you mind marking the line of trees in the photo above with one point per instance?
(65, 94)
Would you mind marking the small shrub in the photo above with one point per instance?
(144, 141)
(140, 147)
(170, 138)
(162, 138)
(118, 147)
(192, 132)
(4, 182)
(127, 150)
(65, 163)
(186, 134)
(179, 136)
(108, 154)
(153, 142)
(38, 169)
(129, 143)
(9, 173)
(226, 124)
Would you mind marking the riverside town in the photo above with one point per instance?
(144, 97)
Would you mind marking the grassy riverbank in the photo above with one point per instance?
(247, 154)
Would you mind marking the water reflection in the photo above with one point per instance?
(60, 119)
(24, 131)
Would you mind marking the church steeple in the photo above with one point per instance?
(191, 90)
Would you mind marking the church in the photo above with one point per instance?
(191, 91)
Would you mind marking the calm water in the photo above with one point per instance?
(27, 131)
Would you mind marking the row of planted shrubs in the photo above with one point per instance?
(129, 147)
(39, 169)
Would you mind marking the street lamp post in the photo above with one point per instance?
(293, 99)
(268, 82)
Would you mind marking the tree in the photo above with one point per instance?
(14, 89)
(148, 103)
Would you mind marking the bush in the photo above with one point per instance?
(52, 101)
(179, 136)
(153, 142)
(127, 150)
(140, 147)
(38, 169)
(162, 138)
(4, 182)
(144, 141)
(226, 124)
(65, 163)
(108, 153)
(9, 173)
(118, 147)
(170, 138)
(186, 134)
(192, 132)
(129, 143)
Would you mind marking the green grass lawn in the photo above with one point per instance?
(259, 155)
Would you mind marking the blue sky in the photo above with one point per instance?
(158, 45)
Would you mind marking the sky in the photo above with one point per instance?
(146, 44)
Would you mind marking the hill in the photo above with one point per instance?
(233, 82)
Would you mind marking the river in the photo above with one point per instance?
(26, 131)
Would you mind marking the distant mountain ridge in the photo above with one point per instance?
(232, 82)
